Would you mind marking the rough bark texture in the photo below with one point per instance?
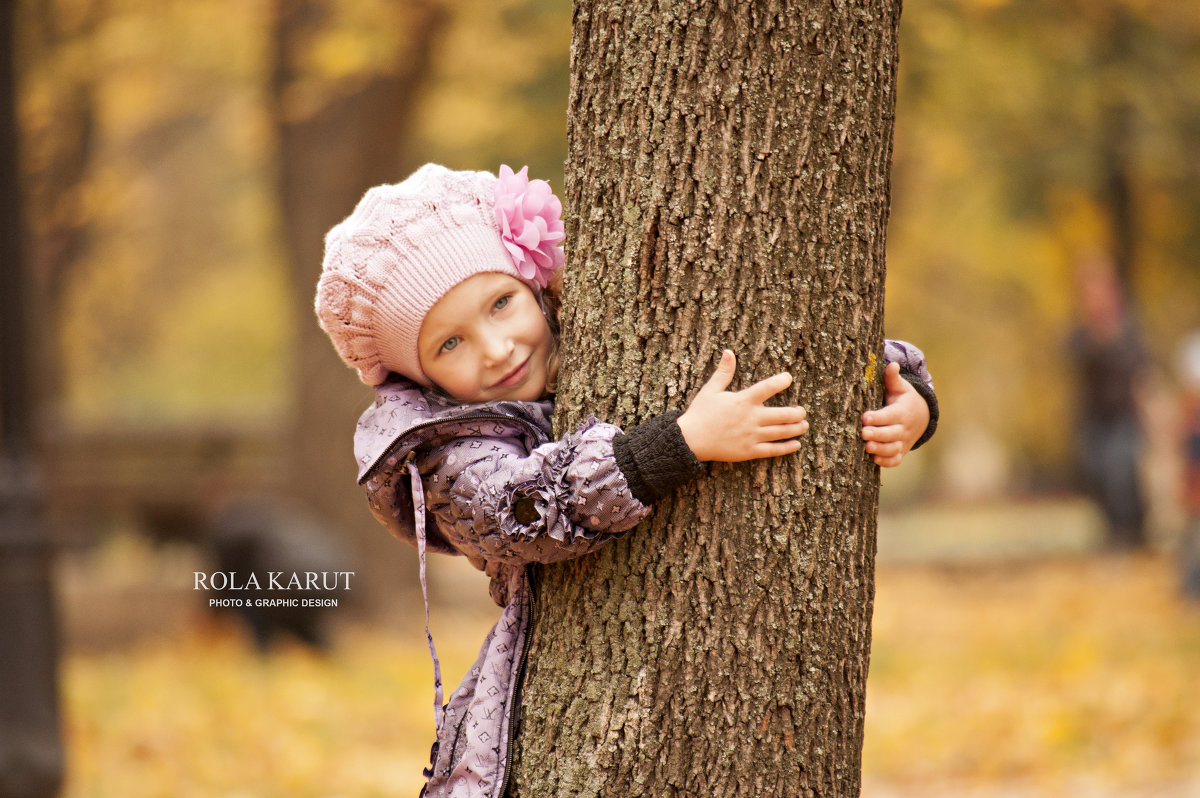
(727, 187)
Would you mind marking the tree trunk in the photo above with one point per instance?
(727, 187)
(329, 155)
(31, 749)
(1117, 147)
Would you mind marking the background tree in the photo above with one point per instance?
(343, 100)
(349, 84)
(31, 749)
(727, 186)
(182, 162)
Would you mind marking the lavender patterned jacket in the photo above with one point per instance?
(487, 481)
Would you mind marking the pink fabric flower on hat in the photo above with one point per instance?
(530, 219)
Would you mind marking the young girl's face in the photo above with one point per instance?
(487, 339)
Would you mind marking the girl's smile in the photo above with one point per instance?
(515, 376)
(487, 339)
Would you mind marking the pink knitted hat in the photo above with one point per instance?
(405, 245)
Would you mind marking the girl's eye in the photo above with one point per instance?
(502, 302)
(449, 344)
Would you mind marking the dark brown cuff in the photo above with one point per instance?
(930, 399)
(655, 458)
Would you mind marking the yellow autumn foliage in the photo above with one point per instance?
(1070, 676)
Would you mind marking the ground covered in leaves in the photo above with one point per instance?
(1068, 676)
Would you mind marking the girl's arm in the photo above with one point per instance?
(732, 426)
(562, 500)
(909, 416)
(570, 496)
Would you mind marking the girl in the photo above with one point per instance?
(436, 291)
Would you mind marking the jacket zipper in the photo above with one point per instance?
(514, 714)
(537, 434)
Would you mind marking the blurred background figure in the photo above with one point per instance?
(1189, 374)
(263, 537)
(1106, 350)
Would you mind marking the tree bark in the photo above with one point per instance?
(727, 186)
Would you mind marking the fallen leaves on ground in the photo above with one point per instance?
(1062, 677)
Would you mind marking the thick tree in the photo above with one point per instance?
(727, 186)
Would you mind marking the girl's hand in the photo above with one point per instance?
(731, 427)
(893, 429)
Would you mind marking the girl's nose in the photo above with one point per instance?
(497, 349)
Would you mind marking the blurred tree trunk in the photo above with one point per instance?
(1117, 143)
(727, 186)
(59, 154)
(31, 751)
(332, 148)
